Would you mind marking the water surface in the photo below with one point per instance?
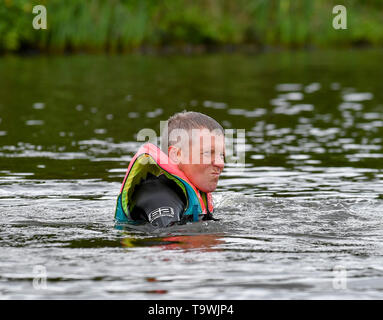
(302, 220)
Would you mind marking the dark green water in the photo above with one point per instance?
(308, 203)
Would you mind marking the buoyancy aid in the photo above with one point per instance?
(150, 159)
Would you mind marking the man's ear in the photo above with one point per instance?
(174, 154)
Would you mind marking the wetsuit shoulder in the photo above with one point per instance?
(159, 201)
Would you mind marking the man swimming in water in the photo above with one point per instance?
(174, 185)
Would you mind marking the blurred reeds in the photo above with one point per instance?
(125, 25)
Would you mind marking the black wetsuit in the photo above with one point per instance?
(161, 202)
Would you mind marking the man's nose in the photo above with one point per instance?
(218, 162)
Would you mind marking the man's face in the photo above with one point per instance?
(204, 159)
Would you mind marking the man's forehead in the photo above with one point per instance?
(195, 137)
(206, 137)
(204, 132)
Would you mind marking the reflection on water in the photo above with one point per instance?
(309, 200)
(203, 242)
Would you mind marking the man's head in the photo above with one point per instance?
(196, 142)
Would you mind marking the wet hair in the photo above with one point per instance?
(188, 120)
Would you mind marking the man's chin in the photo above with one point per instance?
(208, 189)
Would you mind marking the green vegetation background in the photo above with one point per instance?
(126, 25)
